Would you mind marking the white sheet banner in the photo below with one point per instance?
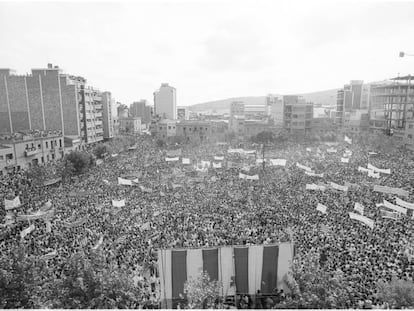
(27, 231)
(278, 162)
(404, 204)
(217, 158)
(248, 177)
(11, 204)
(396, 191)
(379, 170)
(260, 161)
(313, 174)
(390, 215)
(249, 151)
(186, 161)
(315, 187)
(339, 187)
(331, 150)
(144, 189)
(345, 160)
(394, 207)
(322, 208)
(369, 222)
(331, 144)
(114, 155)
(126, 182)
(120, 203)
(217, 165)
(348, 140)
(235, 150)
(308, 149)
(373, 174)
(172, 159)
(303, 167)
(359, 208)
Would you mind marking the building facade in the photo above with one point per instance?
(298, 114)
(141, 110)
(22, 151)
(165, 105)
(130, 126)
(107, 118)
(183, 113)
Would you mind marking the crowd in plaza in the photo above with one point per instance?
(176, 205)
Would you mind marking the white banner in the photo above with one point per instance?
(116, 203)
(331, 144)
(379, 170)
(217, 165)
(11, 204)
(248, 177)
(331, 150)
(315, 187)
(27, 231)
(396, 191)
(278, 162)
(396, 208)
(217, 158)
(308, 149)
(143, 189)
(404, 204)
(313, 174)
(260, 161)
(339, 187)
(390, 215)
(186, 161)
(369, 222)
(205, 164)
(249, 151)
(235, 150)
(97, 245)
(344, 160)
(172, 159)
(348, 140)
(322, 208)
(359, 208)
(99, 162)
(114, 155)
(303, 167)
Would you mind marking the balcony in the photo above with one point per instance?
(31, 152)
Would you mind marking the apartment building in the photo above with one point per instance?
(165, 102)
(298, 114)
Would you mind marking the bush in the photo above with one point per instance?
(397, 293)
(100, 151)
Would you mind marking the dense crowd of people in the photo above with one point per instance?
(175, 205)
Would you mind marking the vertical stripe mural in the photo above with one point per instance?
(164, 267)
(269, 270)
(226, 270)
(194, 263)
(241, 258)
(179, 272)
(255, 262)
(210, 263)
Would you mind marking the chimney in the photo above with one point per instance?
(49, 66)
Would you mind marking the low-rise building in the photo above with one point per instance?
(298, 114)
(130, 125)
(23, 150)
(163, 129)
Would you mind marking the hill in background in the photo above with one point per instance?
(325, 98)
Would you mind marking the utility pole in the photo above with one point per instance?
(263, 155)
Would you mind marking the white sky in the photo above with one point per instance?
(210, 50)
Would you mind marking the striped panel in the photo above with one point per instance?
(164, 267)
(226, 270)
(179, 272)
(269, 270)
(241, 258)
(194, 263)
(255, 262)
(284, 264)
(210, 263)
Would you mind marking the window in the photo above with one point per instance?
(39, 146)
(410, 136)
(53, 156)
(47, 158)
(9, 156)
(47, 145)
(1, 158)
(411, 126)
(43, 160)
(169, 127)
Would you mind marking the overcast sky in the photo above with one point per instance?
(210, 50)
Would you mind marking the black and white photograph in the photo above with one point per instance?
(206, 154)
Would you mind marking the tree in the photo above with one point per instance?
(314, 288)
(397, 293)
(263, 137)
(160, 143)
(100, 151)
(37, 174)
(202, 293)
(79, 160)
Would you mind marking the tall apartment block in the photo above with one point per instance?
(141, 110)
(298, 114)
(107, 119)
(49, 101)
(165, 103)
(392, 108)
(276, 110)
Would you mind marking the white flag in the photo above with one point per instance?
(120, 203)
(205, 164)
(217, 165)
(345, 160)
(348, 140)
(217, 158)
(369, 222)
(308, 149)
(404, 204)
(97, 245)
(331, 150)
(11, 204)
(359, 208)
(114, 155)
(186, 161)
(322, 208)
